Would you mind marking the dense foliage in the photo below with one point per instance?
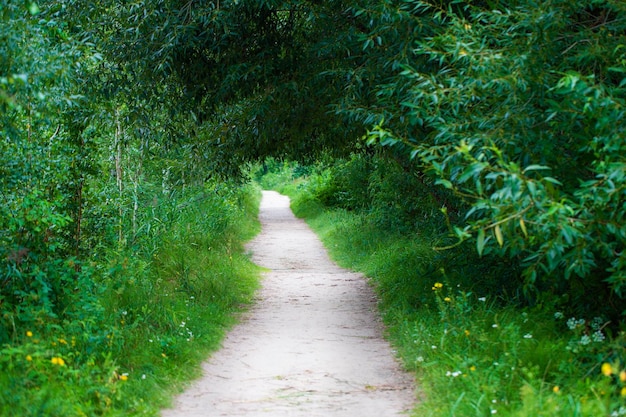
(513, 105)
(249, 77)
(519, 110)
(119, 264)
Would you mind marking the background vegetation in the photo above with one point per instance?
(492, 128)
(121, 267)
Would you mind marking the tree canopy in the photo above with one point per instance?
(517, 106)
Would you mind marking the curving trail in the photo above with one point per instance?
(311, 346)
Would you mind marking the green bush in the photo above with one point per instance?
(110, 337)
(514, 106)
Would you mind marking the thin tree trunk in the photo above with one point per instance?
(118, 176)
(136, 194)
(79, 216)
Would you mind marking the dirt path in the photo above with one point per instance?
(310, 347)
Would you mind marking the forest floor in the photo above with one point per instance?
(311, 345)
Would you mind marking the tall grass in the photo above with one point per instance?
(475, 348)
(151, 313)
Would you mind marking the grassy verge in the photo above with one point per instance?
(143, 317)
(473, 353)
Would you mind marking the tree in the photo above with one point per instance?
(517, 108)
(40, 162)
(255, 77)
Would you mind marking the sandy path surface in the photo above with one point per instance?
(310, 346)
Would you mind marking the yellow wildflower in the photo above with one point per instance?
(622, 376)
(623, 392)
(447, 299)
(607, 369)
(556, 389)
(29, 334)
(57, 361)
(437, 286)
(63, 341)
(29, 358)
(467, 332)
(124, 377)
(472, 368)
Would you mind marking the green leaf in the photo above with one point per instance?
(480, 241)
(471, 171)
(447, 184)
(522, 225)
(33, 8)
(498, 233)
(536, 168)
(552, 180)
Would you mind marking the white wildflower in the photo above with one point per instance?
(572, 323)
(598, 336)
(596, 323)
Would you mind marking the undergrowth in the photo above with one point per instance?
(141, 317)
(476, 346)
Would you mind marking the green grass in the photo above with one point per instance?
(139, 335)
(474, 351)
